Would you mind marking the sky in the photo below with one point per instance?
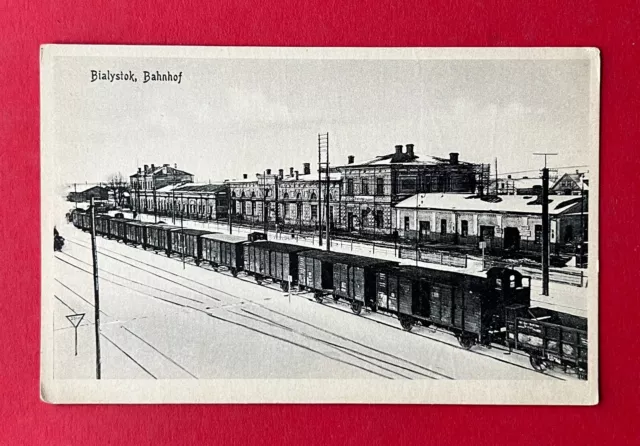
(233, 116)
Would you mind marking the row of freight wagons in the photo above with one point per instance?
(474, 308)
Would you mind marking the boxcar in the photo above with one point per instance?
(102, 225)
(117, 228)
(354, 279)
(273, 260)
(187, 242)
(472, 307)
(158, 237)
(136, 232)
(315, 271)
(224, 250)
(549, 337)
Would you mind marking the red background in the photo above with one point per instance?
(611, 26)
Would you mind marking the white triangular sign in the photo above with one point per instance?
(75, 319)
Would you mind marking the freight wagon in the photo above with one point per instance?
(136, 233)
(117, 228)
(187, 242)
(472, 307)
(354, 279)
(102, 225)
(158, 237)
(550, 338)
(224, 250)
(277, 261)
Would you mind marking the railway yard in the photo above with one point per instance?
(164, 317)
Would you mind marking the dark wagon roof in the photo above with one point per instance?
(189, 231)
(347, 259)
(229, 238)
(420, 272)
(164, 226)
(279, 247)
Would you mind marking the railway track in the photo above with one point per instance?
(353, 348)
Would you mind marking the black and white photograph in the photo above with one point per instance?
(319, 225)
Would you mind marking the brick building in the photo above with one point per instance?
(371, 189)
(146, 182)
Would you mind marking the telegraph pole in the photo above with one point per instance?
(319, 216)
(326, 197)
(230, 206)
(545, 225)
(96, 291)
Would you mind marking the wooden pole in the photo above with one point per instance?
(96, 290)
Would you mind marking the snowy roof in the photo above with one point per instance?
(79, 188)
(504, 204)
(161, 170)
(333, 176)
(385, 160)
(199, 187)
(229, 238)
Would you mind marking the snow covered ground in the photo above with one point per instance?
(162, 319)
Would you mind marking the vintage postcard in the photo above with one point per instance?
(319, 225)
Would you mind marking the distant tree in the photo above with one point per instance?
(118, 184)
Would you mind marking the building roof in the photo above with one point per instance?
(579, 178)
(386, 160)
(333, 176)
(160, 170)
(79, 188)
(199, 187)
(521, 204)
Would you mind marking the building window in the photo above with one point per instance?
(379, 219)
(487, 232)
(443, 226)
(464, 228)
(363, 217)
(408, 184)
(538, 234)
(365, 187)
(379, 186)
(314, 212)
(350, 186)
(407, 226)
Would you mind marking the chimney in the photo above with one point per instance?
(290, 171)
(244, 176)
(153, 167)
(165, 165)
(139, 169)
(399, 149)
(175, 165)
(296, 174)
(307, 168)
(146, 168)
(410, 150)
(453, 158)
(508, 177)
(280, 173)
(268, 171)
(351, 159)
(577, 172)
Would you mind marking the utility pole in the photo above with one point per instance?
(496, 176)
(323, 148)
(319, 215)
(184, 244)
(75, 194)
(582, 231)
(96, 291)
(230, 207)
(545, 225)
(265, 210)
